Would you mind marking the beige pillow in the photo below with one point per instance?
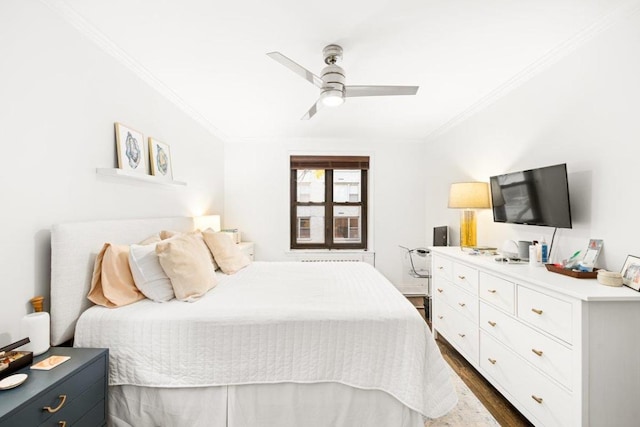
(225, 251)
(112, 284)
(167, 234)
(185, 259)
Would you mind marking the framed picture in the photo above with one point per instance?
(592, 252)
(160, 158)
(130, 148)
(631, 272)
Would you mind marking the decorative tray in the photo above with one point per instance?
(573, 273)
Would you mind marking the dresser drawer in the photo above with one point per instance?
(498, 292)
(442, 267)
(542, 352)
(545, 312)
(545, 400)
(81, 383)
(466, 277)
(461, 301)
(458, 330)
(79, 407)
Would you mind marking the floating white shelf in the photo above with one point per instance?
(138, 176)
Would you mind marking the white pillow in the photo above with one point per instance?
(148, 274)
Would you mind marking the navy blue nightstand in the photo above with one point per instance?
(74, 392)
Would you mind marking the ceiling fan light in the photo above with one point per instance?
(332, 98)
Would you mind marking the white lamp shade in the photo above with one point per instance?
(208, 221)
(469, 195)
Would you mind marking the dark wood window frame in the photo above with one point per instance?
(329, 164)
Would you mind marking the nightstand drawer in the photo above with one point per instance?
(76, 409)
(82, 390)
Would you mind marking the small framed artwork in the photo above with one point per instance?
(160, 158)
(130, 148)
(631, 272)
(592, 252)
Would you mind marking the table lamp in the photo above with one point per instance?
(207, 221)
(469, 196)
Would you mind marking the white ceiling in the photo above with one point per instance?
(211, 54)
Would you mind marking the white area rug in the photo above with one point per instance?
(469, 412)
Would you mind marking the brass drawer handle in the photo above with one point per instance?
(461, 304)
(536, 398)
(461, 277)
(538, 352)
(440, 290)
(492, 323)
(492, 361)
(62, 423)
(536, 311)
(491, 291)
(462, 335)
(49, 409)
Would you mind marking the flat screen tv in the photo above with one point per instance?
(534, 197)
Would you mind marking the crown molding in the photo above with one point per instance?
(553, 56)
(111, 48)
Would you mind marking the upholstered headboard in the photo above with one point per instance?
(74, 247)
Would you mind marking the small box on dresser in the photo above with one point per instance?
(72, 393)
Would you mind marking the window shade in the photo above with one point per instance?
(329, 162)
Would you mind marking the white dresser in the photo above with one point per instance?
(564, 351)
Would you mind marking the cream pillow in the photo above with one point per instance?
(167, 234)
(112, 284)
(225, 251)
(185, 259)
(148, 274)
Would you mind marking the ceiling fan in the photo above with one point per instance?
(333, 91)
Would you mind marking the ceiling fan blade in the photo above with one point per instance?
(313, 110)
(353, 91)
(296, 68)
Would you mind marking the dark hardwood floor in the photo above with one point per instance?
(505, 413)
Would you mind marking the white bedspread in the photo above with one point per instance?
(275, 323)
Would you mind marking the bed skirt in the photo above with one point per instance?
(259, 405)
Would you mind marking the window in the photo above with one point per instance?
(304, 228)
(329, 202)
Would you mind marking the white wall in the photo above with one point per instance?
(257, 194)
(59, 98)
(583, 110)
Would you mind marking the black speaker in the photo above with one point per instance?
(441, 236)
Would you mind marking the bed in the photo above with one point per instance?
(276, 344)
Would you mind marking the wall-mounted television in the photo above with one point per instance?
(534, 197)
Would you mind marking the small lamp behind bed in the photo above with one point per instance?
(207, 221)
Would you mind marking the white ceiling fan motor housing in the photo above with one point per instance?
(333, 77)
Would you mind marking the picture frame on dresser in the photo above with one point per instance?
(631, 272)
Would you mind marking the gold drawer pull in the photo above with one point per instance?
(538, 352)
(440, 317)
(492, 323)
(461, 304)
(492, 361)
(440, 290)
(462, 335)
(491, 291)
(49, 409)
(461, 277)
(536, 311)
(62, 423)
(536, 398)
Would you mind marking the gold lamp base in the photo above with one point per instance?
(468, 228)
